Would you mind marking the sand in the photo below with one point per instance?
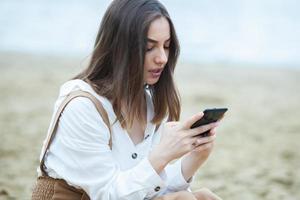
(256, 155)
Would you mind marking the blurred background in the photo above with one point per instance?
(243, 55)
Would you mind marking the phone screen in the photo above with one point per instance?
(210, 115)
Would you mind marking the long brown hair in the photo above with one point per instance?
(116, 67)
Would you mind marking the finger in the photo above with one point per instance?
(172, 123)
(189, 122)
(202, 129)
(204, 140)
(203, 147)
(213, 131)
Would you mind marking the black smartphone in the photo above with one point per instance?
(210, 115)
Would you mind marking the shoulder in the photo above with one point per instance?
(77, 84)
(82, 108)
(81, 127)
(81, 120)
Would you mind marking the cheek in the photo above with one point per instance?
(147, 63)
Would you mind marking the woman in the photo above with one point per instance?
(131, 73)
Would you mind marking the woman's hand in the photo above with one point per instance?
(204, 148)
(193, 160)
(178, 139)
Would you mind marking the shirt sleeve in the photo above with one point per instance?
(175, 180)
(80, 154)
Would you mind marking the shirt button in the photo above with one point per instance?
(157, 189)
(134, 155)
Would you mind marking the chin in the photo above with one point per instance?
(152, 81)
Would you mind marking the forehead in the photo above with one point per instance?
(159, 29)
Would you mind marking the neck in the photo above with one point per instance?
(141, 116)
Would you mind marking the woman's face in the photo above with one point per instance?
(157, 52)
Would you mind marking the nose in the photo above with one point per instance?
(162, 57)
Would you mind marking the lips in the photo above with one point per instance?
(155, 73)
(156, 70)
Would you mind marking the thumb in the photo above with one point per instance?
(190, 121)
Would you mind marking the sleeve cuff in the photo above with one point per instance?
(145, 181)
(154, 182)
(176, 180)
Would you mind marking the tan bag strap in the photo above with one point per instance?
(60, 109)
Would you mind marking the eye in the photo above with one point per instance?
(167, 45)
(149, 48)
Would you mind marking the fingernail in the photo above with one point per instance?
(201, 114)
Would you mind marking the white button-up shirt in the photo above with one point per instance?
(80, 153)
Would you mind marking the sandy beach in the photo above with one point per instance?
(256, 156)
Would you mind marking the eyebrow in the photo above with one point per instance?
(154, 41)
